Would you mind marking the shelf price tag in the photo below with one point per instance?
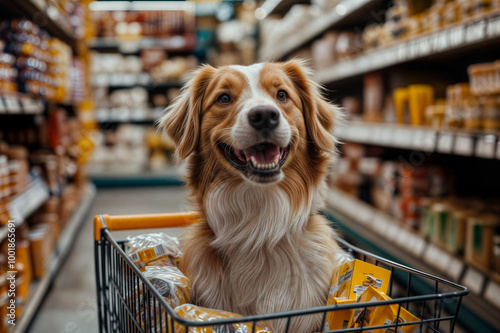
(2, 106)
(419, 247)
(12, 104)
(464, 145)
(456, 268)
(492, 293)
(485, 146)
(474, 280)
(445, 143)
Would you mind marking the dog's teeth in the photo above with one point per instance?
(254, 161)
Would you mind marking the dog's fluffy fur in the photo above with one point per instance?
(260, 246)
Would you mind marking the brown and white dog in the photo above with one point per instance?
(258, 141)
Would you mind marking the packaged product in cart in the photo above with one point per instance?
(170, 282)
(338, 319)
(352, 278)
(196, 313)
(381, 315)
(155, 249)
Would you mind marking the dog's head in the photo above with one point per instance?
(253, 122)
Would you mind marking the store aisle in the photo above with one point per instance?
(70, 306)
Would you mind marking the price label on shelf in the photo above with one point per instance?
(12, 104)
(485, 146)
(464, 145)
(2, 106)
(474, 280)
(403, 239)
(445, 143)
(393, 232)
(456, 268)
(492, 293)
(493, 27)
(419, 247)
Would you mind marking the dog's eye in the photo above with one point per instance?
(224, 99)
(282, 96)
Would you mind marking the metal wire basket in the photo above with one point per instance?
(128, 302)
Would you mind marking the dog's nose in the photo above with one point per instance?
(263, 117)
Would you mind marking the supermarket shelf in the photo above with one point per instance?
(20, 105)
(321, 24)
(132, 121)
(113, 177)
(29, 201)
(280, 7)
(180, 44)
(66, 240)
(456, 38)
(128, 80)
(45, 15)
(386, 236)
(447, 141)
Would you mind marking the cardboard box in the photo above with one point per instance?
(352, 278)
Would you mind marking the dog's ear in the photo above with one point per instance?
(182, 118)
(319, 115)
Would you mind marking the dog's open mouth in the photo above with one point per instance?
(261, 162)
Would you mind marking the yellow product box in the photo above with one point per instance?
(352, 278)
(381, 315)
(338, 319)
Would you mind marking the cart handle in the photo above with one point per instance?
(144, 221)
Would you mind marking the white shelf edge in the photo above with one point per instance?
(446, 40)
(422, 138)
(300, 37)
(40, 287)
(28, 202)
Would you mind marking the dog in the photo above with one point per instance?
(258, 142)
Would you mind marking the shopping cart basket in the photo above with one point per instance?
(128, 302)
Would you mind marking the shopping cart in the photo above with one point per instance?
(128, 302)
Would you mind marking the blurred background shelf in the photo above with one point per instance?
(45, 14)
(386, 236)
(280, 7)
(345, 11)
(458, 38)
(29, 201)
(39, 288)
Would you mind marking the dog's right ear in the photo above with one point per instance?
(182, 118)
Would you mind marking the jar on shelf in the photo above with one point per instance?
(473, 115)
(491, 113)
(482, 6)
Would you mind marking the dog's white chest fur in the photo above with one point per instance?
(278, 258)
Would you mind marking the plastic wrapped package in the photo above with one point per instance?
(170, 283)
(155, 249)
(196, 313)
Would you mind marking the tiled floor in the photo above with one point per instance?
(70, 306)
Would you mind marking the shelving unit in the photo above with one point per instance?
(454, 39)
(330, 19)
(174, 44)
(447, 141)
(279, 7)
(18, 104)
(64, 244)
(47, 17)
(128, 80)
(386, 236)
(26, 203)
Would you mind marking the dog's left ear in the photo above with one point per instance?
(182, 118)
(320, 116)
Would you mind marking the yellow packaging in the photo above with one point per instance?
(352, 278)
(338, 319)
(400, 96)
(197, 313)
(381, 315)
(420, 96)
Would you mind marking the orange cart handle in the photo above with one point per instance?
(145, 221)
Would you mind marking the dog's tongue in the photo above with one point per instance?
(263, 153)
